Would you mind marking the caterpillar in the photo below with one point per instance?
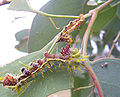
(39, 67)
(65, 53)
(67, 58)
(65, 33)
(15, 83)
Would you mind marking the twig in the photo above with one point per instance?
(94, 78)
(113, 45)
(85, 87)
(58, 16)
(94, 13)
(87, 32)
(91, 92)
(5, 2)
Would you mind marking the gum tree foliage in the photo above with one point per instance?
(42, 35)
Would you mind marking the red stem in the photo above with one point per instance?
(95, 80)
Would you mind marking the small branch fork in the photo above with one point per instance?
(113, 45)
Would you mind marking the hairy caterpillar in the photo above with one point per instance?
(27, 75)
(39, 67)
(67, 58)
(65, 33)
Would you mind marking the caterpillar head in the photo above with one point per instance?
(9, 80)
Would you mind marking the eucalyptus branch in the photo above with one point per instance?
(83, 50)
(58, 16)
(52, 15)
(94, 78)
(103, 5)
(113, 45)
(94, 13)
(87, 32)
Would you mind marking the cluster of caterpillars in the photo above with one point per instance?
(40, 66)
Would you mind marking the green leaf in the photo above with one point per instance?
(108, 77)
(111, 29)
(21, 5)
(22, 37)
(103, 18)
(81, 80)
(52, 81)
(42, 30)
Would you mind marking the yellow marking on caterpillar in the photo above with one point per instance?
(1, 78)
(25, 84)
(52, 64)
(33, 75)
(55, 67)
(78, 61)
(42, 73)
(62, 66)
(74, 67)
(84, 56)
(25, 65)
(79, 69)
(50, 70)
(68, 66)
(81, 65)
(16, 88)
(82, 60)
(59, 65)
(19, 89)
(48, 66)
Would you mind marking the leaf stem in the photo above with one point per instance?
(87, 32)
(85, 87)
(113, 45)
(52, 15)
(57, 16)
(94, 78)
